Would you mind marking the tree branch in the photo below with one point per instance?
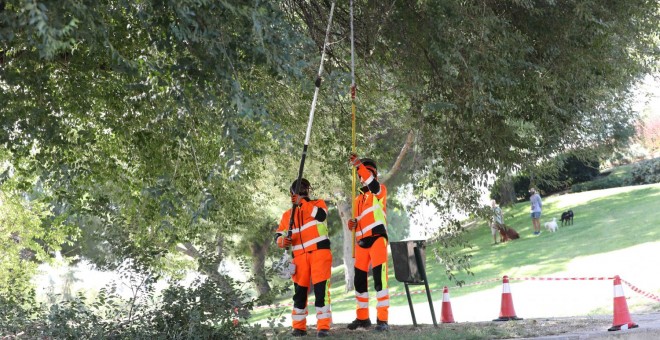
(189, 250)
(397, 163)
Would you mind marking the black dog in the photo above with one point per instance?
(567, 216)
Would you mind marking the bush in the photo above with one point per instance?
(601, 183)
(207, 309)
(575, 170)
(645, 172)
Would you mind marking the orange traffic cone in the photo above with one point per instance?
(621, 316)
(447, 315)
(506, 310)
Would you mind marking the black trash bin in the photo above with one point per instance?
(406, 268)
(409, 260)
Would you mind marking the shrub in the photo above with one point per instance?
(645, 172)
(601, 183)
(575, 170)
(207, 309)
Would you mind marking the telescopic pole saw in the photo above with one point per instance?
(353, 134)
(311, 117)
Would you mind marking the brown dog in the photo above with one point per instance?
(507, 233)
(502, 229)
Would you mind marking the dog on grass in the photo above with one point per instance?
(567, 217)
(552, 225)
(507, 233)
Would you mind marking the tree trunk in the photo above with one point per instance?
(507, 191)
(259, 250)
(345, 214)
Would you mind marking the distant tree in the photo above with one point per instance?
(649, 134)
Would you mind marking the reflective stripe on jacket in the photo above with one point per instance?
(370, 212)
(306, 231)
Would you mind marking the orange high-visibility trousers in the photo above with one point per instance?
(376, 255)
(315, 266)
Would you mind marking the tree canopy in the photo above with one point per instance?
(159, 125)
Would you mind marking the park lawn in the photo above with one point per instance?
(604, 221)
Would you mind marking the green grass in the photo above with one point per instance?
(633, 209)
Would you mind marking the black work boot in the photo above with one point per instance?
(323, 333)
(298, 332)
(357, 323)
(382, 326)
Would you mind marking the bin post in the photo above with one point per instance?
(410, 304)
(408, 259)
(422, 271)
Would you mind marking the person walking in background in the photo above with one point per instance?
(498, 220)
(310, 245)
(370, 228)
(535, 201)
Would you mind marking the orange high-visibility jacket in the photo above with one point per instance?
(307, 233)
(371, 207)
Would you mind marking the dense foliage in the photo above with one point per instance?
(645, 172)
(205, 309)
(570, 170)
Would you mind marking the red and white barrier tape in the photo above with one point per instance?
(562, 278)
(639, 291)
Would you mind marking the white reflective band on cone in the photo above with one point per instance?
(618, 291)
(445, 297)
(506, 289)
(384, 292)
(363, 304)
(383, 303)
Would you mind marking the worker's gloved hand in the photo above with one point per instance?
(352, 224)
(283, 242)
(354, 160)
(296, 199)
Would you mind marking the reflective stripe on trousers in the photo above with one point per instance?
(362, 309)
(298, 318)
(323, 317)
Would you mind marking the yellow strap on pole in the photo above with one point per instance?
(353, 134)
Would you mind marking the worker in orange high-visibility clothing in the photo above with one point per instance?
(371, 249)
(311, 254)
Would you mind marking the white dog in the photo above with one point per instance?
(551, 226)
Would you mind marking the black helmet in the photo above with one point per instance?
(303, 190)
(368, 162)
